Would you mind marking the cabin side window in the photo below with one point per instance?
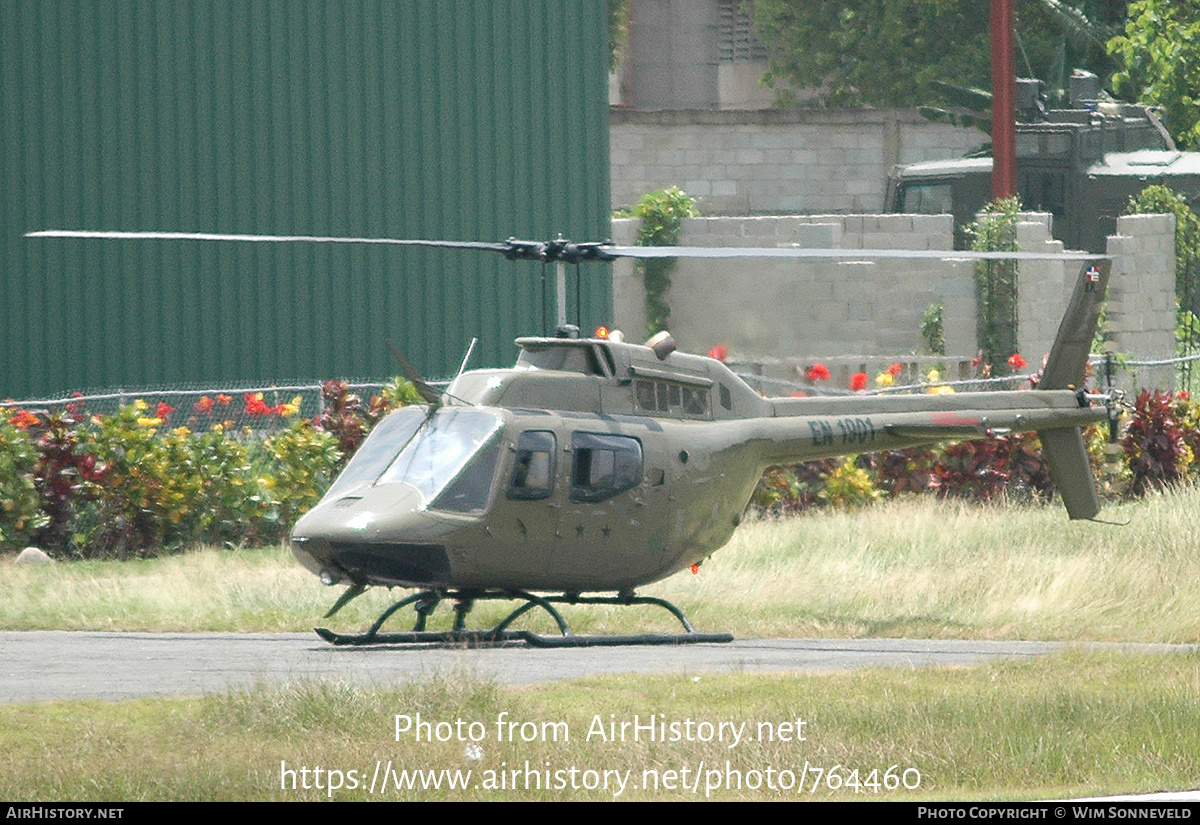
(663, 397)
(533, 471)
(604, 465)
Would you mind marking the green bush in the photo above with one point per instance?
(21, 515)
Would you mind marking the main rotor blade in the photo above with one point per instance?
(213, 236)
(838, 254)
(568, 251)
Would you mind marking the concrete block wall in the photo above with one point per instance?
(819, 309)
(1140, 320)
(1043, 289)
(774, 161)
(780, 308)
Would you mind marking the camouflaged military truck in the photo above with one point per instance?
(1081, 164)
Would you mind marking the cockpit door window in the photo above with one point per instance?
(533, 471)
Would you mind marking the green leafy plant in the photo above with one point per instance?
(1160, 64)
(305, 460)
(792, 489)
(996, 281)
(661, 214)
(933, 328)
(20, 512)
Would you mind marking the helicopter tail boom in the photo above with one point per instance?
(1058, 410)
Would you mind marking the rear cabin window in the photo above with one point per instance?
(664, 397)
(604, 465)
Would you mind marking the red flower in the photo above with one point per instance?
(1017, 362)
(224, 399)
(163, 410)
(203, 406)
(894, 370)
(817, 372)
(720, 352)
(23, 419)
(255, 405)
(858, 381)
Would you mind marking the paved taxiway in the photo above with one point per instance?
(43, 665)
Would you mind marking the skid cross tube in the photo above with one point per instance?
(426, 601)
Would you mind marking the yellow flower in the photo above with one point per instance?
(149, 422)
(884, 379)
(182, 432)
(933, 376)
(139, 405)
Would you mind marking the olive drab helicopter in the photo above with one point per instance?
(595, 466)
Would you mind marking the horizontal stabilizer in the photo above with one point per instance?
(1071, 471)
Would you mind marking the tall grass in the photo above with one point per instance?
(907, 568)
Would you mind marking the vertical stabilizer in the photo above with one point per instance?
(1066, 368)
(1071, 471)
(1067, 363)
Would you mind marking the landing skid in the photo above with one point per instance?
(425, 602)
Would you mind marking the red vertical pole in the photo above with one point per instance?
(1004, 140)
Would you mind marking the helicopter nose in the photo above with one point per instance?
(379, 535)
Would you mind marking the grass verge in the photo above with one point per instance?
(1066, 726)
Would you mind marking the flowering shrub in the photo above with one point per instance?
(816, 373)
(848, 485)
(307, 459)
(130, 484)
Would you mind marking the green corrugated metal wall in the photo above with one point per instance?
(406, 118)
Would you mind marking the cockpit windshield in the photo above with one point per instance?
(450, 460)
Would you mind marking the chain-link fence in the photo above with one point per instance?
(262, 409)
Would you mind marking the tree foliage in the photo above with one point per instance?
(890, 52)
(1159, 53)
